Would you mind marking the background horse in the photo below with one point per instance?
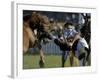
(86, 33)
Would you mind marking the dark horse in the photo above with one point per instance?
(86, 33)
(35, 29)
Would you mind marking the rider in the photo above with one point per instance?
(67, 40)
(78, 44)
(71, 40)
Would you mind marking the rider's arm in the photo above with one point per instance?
(77, 36)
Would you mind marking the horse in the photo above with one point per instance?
(35, 29)
(86, 33)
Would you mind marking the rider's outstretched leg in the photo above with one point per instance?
(63, 59)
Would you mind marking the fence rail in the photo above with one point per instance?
(51, 48)
(48, 48)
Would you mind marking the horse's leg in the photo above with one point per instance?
(88, 56)
(25, 41)
(84, 61)
(71, 61)
(71, 58)
(83, 56)
(42, 61)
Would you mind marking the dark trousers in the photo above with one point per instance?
(64, 47)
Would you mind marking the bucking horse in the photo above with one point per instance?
(35, 29)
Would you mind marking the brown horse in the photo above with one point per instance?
(35, 27)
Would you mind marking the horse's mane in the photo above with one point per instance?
(26, 17)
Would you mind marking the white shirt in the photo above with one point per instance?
(82, 43)
(70, 33)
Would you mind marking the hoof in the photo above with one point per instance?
(41, 63)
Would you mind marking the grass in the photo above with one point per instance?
(51, 61)
(32, 61)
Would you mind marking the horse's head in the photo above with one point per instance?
(45, 23)
(40, 24)
(34, 20)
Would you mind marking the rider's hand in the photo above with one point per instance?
(70, 44)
